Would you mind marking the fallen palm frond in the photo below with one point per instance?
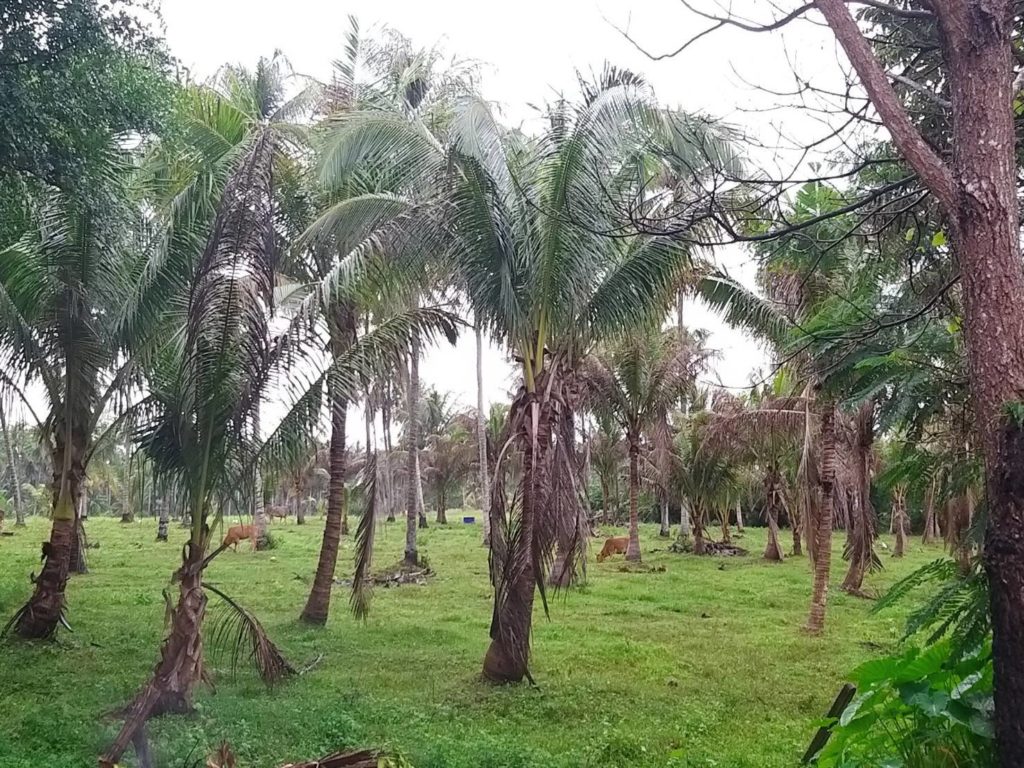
(234, 629)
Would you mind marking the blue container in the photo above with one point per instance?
(469, 520)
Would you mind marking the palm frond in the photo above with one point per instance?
(240, 636)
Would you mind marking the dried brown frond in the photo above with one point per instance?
(236, 631)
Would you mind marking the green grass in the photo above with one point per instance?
(703, 664)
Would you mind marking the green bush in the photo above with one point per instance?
(928, 708)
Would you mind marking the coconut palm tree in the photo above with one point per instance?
(524, 223)
(206, 382)
(705, 477)
(607, 457)
(637, 380)
(63, 289)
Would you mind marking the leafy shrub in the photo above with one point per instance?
(928, 708)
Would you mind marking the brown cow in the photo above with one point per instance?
(613, 546)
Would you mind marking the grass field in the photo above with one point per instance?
(703, 664)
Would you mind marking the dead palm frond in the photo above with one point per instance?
(238, 634)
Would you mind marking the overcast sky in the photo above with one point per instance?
(531, 50)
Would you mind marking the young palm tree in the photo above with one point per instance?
(705, 478)
(637, 381)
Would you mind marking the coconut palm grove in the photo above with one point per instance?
(243, 522)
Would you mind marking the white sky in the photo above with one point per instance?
(531, 50)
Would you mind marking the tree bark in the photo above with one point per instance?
(823, 542)
(319, 602)
(665, 529)
(633, 546)
(979, 194)
(739, 516)
(481, 438)
(412, 437)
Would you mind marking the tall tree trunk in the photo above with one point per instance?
(685, 521)
(724, 518)
(180, 668)
(823, 539)
(930, 532)
(773, 550)
(259, 509)
(19, 508)
(412, 437)
(699, 544)
(319, 602)
(481, 437)
(442, 518)
(899, 516)
(79, 555)
(605, 516)
(860, 542)
(507, 657)
(978, 191)
(739, 516)
(161, 526)
(665, 529)
(421, 508)
(633, 546)
(389, 477)
(298, 506)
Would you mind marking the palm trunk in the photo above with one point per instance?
(685, 522)
(664, 531)
(823, 538)
(699, 545)
(39, 617)
(319, 602)
(899, 507)
(929, 534)
(507, 655)
(773, 550)
(481, 438)
(739, 517)
(726, 536)
(161, 527)
(862, 529)
(79, 556)
(19, 508)
(421, 508)
(605, 517)
(259, 509)
(442, 518)
(389, 478)
(633, 547)
(794, 524)
(412, 485)
(180, 668)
